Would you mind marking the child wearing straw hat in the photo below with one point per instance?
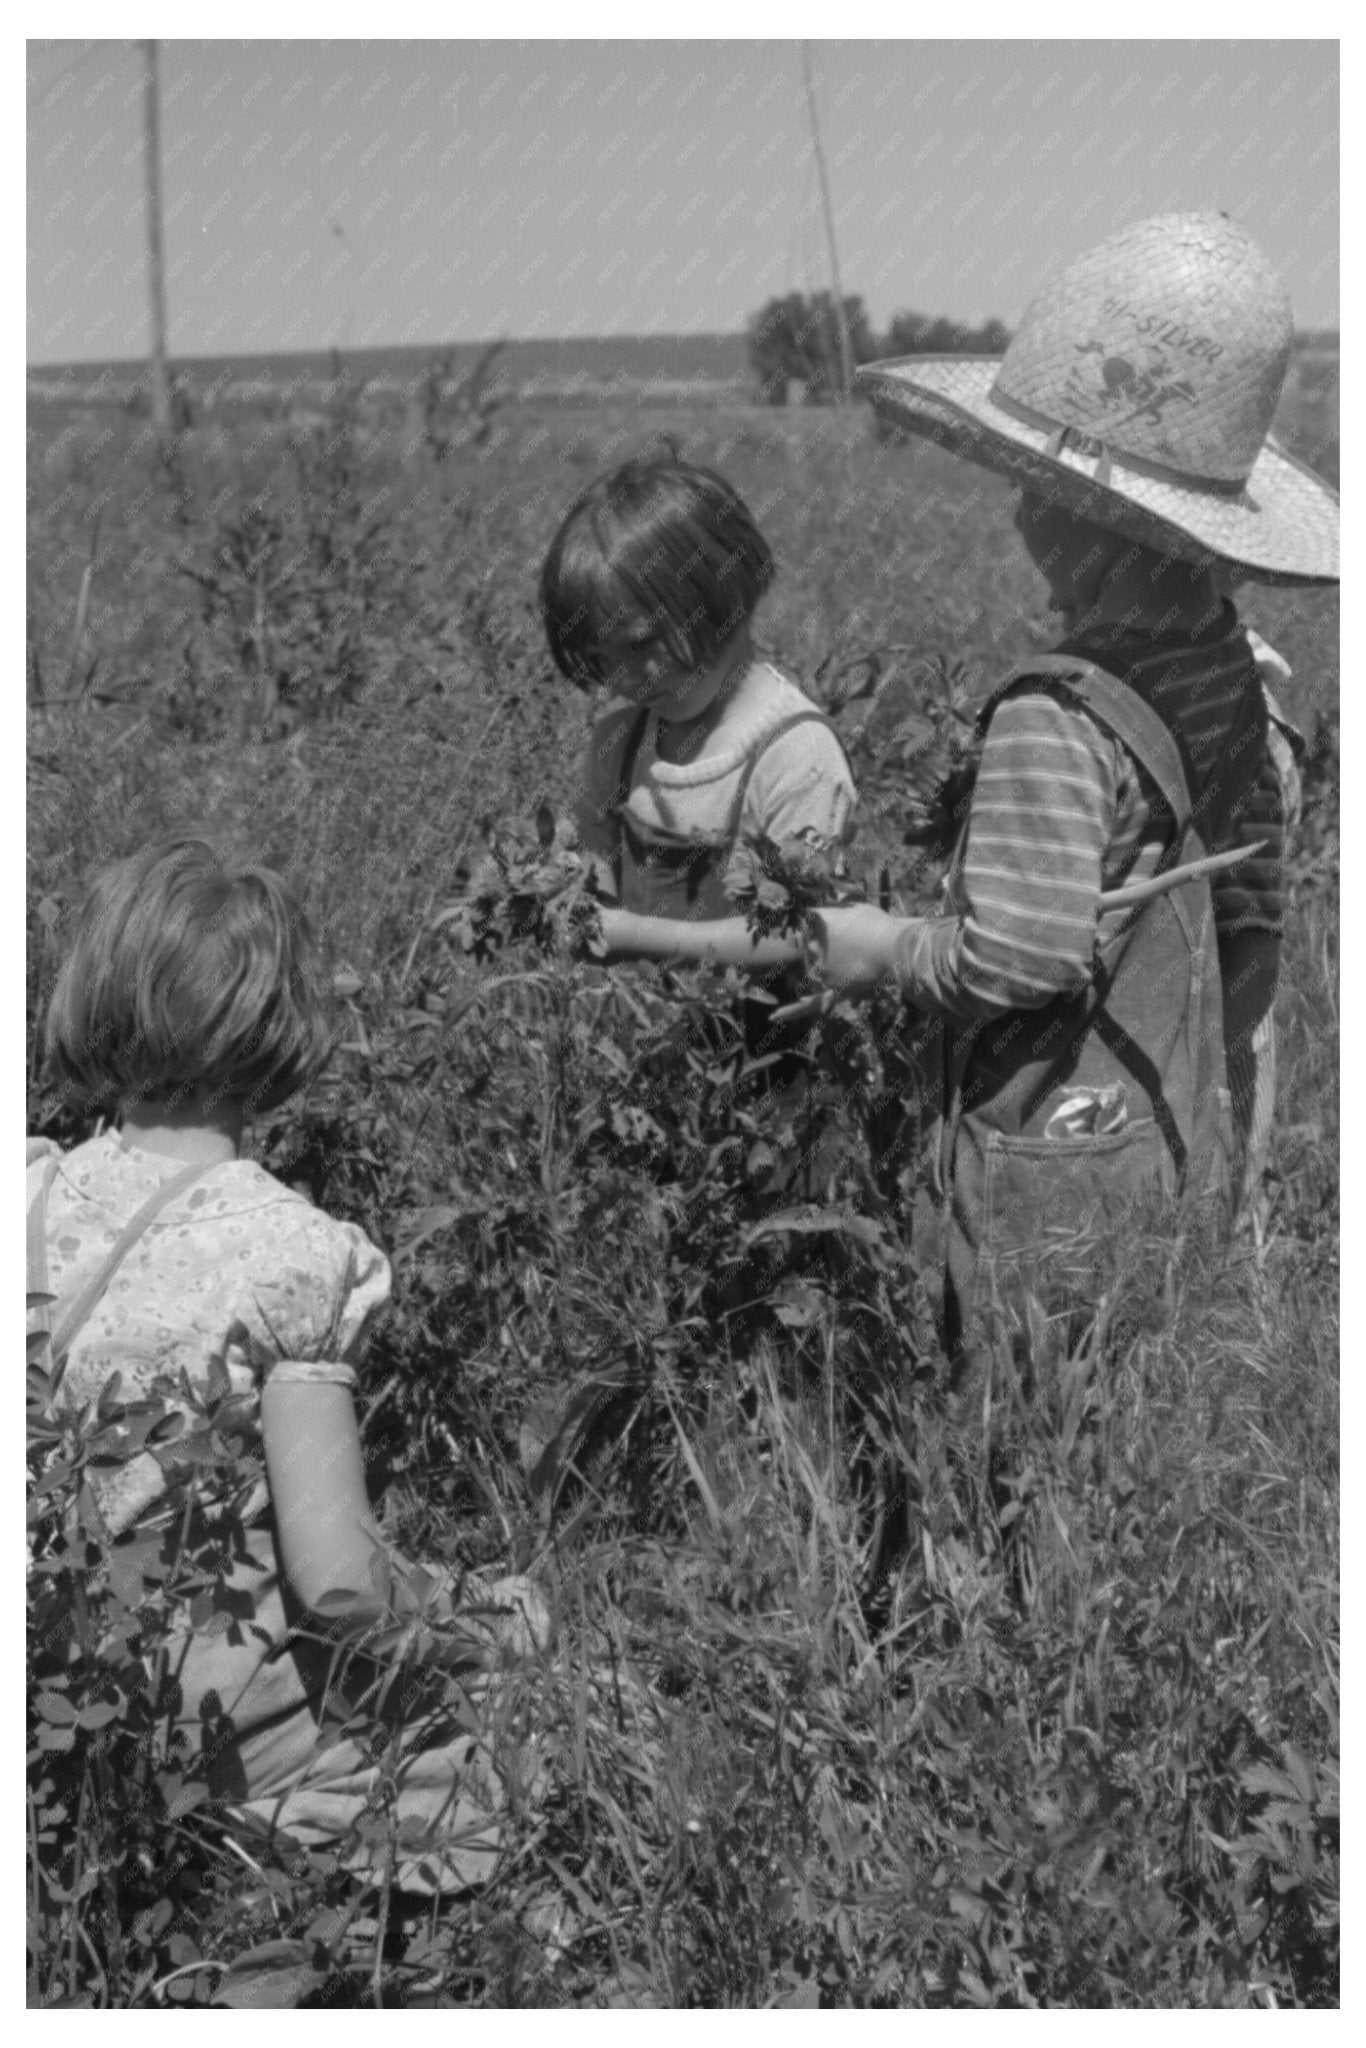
(1098, 1004)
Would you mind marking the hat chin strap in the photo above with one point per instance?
(1084, 444)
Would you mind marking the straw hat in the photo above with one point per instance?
(1139, 390)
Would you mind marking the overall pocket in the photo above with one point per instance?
(1051, 1211)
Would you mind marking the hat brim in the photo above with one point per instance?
(1280, 528)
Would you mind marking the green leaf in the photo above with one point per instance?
(186, 1800)
(56, 1708)
(1266, 1778)
(99, 1713)
(328, 1926)
(109, 1402)
(1302, 1772)
(149, 1926)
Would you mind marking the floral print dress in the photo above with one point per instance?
(239, 1274)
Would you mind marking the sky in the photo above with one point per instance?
(366, 194)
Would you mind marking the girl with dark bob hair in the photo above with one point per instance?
(649, 591)
(192, 995)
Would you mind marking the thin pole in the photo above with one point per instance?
(841, 324)
(159, 379)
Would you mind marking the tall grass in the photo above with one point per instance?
(840, 1710)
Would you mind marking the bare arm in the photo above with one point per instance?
(333, 1552)
(330, 1542)
(723, 942)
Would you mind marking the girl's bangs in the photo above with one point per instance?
(589, 595)
(609, 599)
(677, 582)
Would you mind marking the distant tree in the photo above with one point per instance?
(795, 340)
(923, 334)
(918, 334)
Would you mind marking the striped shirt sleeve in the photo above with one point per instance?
(1026, 890)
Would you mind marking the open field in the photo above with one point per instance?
(714, 366)
(696, 369)
(828, 1719)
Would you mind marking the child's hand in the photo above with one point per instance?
(611, 938)
(853, 951)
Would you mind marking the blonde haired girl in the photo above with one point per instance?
(190, 998)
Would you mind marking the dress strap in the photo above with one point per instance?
(72, 1320)
(36, 1251)
(628, 758)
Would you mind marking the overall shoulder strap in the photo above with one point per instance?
(628, 756)
(1129, 717)
(72, 1319)
(811, 717)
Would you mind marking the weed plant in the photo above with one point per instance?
(840, 1710)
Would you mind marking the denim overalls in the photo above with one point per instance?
(1147, 1030)
(682, 875)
